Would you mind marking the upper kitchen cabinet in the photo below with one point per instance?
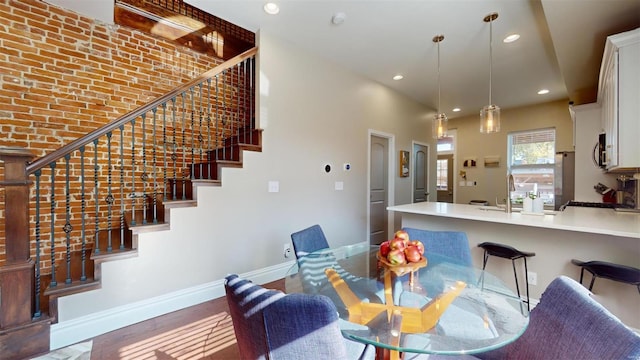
(619, 95)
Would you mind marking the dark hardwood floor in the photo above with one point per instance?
(204, 331)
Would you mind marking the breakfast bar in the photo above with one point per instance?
(556, 237)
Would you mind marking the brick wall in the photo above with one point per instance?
(63, 75)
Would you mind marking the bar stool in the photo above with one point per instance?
(607, 270)
(511, 253)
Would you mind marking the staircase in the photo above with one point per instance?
(85, 204)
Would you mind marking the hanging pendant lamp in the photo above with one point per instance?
(440, 120)
(490, 114)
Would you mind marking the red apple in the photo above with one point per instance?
(402, 235)
(397, 244)
(418, 244)
(412, 253)
(396, 257)
(385, 248)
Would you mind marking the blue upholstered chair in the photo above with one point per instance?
(272, 325)
(312, 268)
(309, 240)
(569, 324)
(453, 244)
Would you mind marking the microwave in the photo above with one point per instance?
(600, 151)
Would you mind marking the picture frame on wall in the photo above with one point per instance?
(404, 163)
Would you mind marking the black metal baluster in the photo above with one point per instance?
(53, 283)
(251, 93)
(242, 92)
(192, 133)
(37, 313)
(174, 156)
(238, 109)
(95, 196)
(145, 176)
(122, 189)
(184, 149)
(155, 180)
(133, 172)
(67, 228)
(83, 208)
(109, 198)
(164, 150)
(200, 129)
(224, 114)
(217, 117)
(209, 128)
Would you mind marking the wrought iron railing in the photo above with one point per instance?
(85, 194)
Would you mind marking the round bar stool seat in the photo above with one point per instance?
(511, 253)
(607, 270)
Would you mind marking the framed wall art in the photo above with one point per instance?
(404, 163)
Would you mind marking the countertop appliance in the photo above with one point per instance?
(564, 178)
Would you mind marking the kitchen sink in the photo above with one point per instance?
(501, 209)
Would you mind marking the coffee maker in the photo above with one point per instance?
(628, 191)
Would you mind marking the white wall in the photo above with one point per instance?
(490, 182)
(312, 113)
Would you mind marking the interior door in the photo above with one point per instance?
(379, 176)
(420, 173)
(445, 178)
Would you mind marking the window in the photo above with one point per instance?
(531, 158)
(441, 174)
(445, 144)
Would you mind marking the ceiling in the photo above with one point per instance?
(560, 47)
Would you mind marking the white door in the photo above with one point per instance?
(420, 173)
(378, 191)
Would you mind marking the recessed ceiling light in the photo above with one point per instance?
(511, 38)
(271, 8)
(543, 91)
(398, 77)
(456, 110)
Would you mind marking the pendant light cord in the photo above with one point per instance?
(490, 57)
(439, 76)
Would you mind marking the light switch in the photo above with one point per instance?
(470, 183)
(274, 186)
(462, 183)
(339, 185)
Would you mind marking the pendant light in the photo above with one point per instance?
(440, 120)
(490, 114)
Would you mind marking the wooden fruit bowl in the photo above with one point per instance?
(402, 269)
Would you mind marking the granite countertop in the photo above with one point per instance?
(580, 219)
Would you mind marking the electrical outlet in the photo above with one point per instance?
(287, 250)
(532, 278)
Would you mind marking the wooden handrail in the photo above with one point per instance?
(124, 119)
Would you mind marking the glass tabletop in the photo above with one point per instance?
(435, 306)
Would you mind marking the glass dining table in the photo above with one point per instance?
(434, 306)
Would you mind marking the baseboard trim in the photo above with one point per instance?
(86, 327)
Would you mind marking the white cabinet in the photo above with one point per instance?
(619, 95)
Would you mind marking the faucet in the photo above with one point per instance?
(510, 187)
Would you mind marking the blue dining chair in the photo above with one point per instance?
(312, 268)
(452, 244)
(308, 240)
(269, 324)
(569, 324)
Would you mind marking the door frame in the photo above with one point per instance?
(390, 180)
(454, 134)
(413, 168)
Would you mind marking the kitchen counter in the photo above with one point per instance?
(580, 219)
(576, 233)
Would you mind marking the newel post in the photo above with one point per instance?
(17, 274)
